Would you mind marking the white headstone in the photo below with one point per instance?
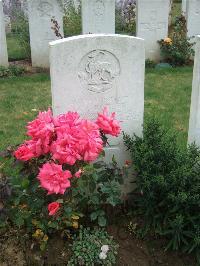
(152, 24)
(98, 16)
(40, 27)
(194, 124)
(3, 44)
(92, 71)
(193, 17)
(184, 6)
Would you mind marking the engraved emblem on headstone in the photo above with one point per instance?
(98, 70)
(45, 8)
(99, 8)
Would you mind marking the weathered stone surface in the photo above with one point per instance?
(40, 14)
(92, 71)
(152, 24)
(3, 44)
(193, 17)
(194, 123)
(98, 16)
(184, 6)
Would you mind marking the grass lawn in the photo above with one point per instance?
(167, 96)
(15, 51)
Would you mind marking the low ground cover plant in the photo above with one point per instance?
(177, 49)
(59, 179)
(11, 71)
(168, 187)
(93, 247)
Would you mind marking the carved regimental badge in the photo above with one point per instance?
(98, 71)
(45, 8)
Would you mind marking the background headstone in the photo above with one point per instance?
(98, 16)
(184, 6)
(92, 71)
(152, 24)
(194, 124)
(3, 44)
(193, 17)
(40, 13)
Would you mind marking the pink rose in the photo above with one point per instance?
(70, 119)
(108, 124)
(54, 179)
(42, 128)
(79, 141)
(30, 149)
(24, 153)
(53, 208)
(78, 173)
(64, 150)
(90, 143)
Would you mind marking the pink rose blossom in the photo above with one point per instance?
(53, 208)
(42, 128)
(30, 149)
(90, 143)
(78, 173)
(108, 124)
(79, 140)
(24, 153)
(70, 119)
(64, 150)
(54, 179)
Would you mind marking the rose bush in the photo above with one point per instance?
(67, 140)
(60, 183)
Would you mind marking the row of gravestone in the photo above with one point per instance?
(98, 16)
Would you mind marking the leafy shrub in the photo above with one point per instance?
(168, 186)
(125, 17)
(11, 71)
(58, 160)
(93, 247)
(72, 20)
(20, 27)
(177, 49)
(99, 186)
(150, 63)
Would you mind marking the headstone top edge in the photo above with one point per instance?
(92, 36)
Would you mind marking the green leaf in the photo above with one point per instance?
(19, 221)
(93, 216)
(102, 221)
(25, 183)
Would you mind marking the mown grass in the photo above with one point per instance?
(167, 96)
(21, 98)
(15, 50)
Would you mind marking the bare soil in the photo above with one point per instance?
(132, 251)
